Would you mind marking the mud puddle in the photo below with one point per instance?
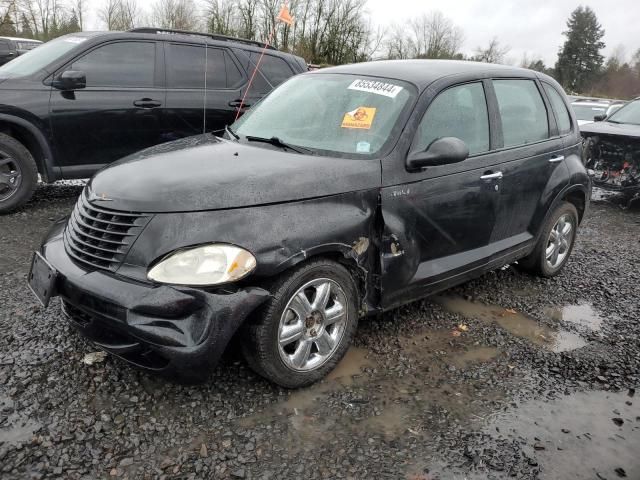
(516, 323)
(583, 435)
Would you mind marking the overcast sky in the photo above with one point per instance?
(533, 26)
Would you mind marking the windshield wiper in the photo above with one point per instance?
(275, 141)
(231, 133)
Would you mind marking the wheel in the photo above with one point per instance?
(18, 174)
(305, 329)
(555, 243)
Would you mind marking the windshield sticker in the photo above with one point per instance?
(361, 117)
(379, 88)
(75, 39)
(363, 147)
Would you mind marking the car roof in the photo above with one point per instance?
(423, 72)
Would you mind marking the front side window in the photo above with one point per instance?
(560, 109)
(459, 112)
(630, 113)
(122, 64)
(522, 110)
(38, 58)
(345, 115)
(588, 112)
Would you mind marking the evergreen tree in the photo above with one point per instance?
(579, 60)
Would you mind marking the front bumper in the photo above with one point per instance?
(178, 331)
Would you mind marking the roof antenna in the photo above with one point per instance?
(204, 101)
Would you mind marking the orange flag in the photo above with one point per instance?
(284, 16)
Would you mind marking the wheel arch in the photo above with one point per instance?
(33, 139)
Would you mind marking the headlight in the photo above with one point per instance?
(206, 265)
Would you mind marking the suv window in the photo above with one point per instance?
(524, 116)
(457, 112)
(121, 64)
(4, 46)
(275, 69)
(185, 68)
(560, 108)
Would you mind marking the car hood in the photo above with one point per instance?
(610, 128)
(207, 173)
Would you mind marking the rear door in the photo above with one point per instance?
(440, 220)
(118, 112)
(531, 151)
(198, 103)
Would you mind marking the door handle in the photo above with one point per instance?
(557, 159)
(147, 103)
(237, 103)
(491, 176)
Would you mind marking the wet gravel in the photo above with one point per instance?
(466, 385)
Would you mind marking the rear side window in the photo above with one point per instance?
(122, 64)
(457, 112)
(4, 47)
(560, 109)
(524, 116)
(186, 65)
(275, 69)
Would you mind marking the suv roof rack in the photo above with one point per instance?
(214, 36)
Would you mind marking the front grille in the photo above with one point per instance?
(98, 237)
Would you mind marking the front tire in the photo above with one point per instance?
(305, 329)
(555, 244)
(18, 174)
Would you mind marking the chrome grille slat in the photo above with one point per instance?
(100, 238)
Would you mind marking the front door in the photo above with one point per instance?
(118, 113)
(439, 223)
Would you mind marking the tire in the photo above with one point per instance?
(537, 262)
(317, 337)
(18, 174)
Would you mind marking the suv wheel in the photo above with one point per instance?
(18, 174)
(307, 326)
(555, 243)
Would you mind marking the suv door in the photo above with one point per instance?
(440, 220)
(191, 108)
(117, 113)
(532, 151)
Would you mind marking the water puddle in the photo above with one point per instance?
(584, 435)
(19, 433)
(582, 314)
(516, 323)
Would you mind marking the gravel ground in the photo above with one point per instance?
(508, 376)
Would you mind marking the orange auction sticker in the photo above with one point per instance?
(361, 117)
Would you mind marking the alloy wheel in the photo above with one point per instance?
(312, 325)
(10, 176)
(560, 240)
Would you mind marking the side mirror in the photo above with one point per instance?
(70, 80)
(442, 151)
(600, 118)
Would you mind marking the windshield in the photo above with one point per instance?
(343, 114)
(630, 113)
(587, 112)
(39, 57)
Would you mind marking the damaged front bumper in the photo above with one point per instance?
(173, 330)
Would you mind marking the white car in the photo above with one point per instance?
(586, 110)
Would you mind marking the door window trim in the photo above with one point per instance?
(156, 71)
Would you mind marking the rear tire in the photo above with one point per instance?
(555, 244)
(18, 174)
(305, 329)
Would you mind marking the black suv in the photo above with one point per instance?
(397, 179)
(81, 101)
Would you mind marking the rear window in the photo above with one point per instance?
(275, 69)
(562, 114)
(524, 116)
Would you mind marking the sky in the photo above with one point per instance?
(532, 27)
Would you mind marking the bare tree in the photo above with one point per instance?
(177, 14)
(494, 53)
(434, 36)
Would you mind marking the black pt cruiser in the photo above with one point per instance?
(346, 192)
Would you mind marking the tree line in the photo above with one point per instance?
(332, 32)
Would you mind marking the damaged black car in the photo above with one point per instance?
(346, 192)
(612, 150)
